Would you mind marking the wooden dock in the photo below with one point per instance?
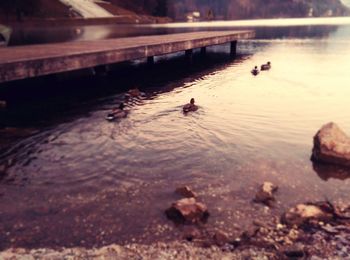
(37, 60)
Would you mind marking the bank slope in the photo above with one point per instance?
(87, 8)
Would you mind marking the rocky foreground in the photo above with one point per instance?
(320, 241)
(317, 230)
(310, 230)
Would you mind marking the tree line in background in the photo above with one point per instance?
(242, 9)
(237, 9)
(32, 8)
(20, 7)
(152, 7)
(209, 9)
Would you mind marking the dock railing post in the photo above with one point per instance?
(189, 55)
(100, 70)
(233, 49)
(150, 60)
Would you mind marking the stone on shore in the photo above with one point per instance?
(265, 193)
(188, 211)
(303, 213)
(331, 145)
(186, 192)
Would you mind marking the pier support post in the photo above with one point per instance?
(233, 49)
(150, 60)
(203, 51)
(189, 55)
(101, 70)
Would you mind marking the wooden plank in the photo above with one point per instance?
(37, 60)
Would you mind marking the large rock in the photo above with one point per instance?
(304, 213)
(265, 193)
(331, 145)
(188, 211)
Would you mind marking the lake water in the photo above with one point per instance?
(74, 179)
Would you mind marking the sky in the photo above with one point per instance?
(346, 2)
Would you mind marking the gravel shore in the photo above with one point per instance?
(174, 250)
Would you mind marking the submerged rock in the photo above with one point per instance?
(188, 211)
(221, 238)
(191, 233)
(294, 251)
(265, 193)
(186, 192)
(331, 145)
(303, 213)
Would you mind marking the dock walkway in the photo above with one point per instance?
(37, 60)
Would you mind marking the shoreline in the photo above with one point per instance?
(123, 20)
(166, 22)
(173, 250)
(312, 238)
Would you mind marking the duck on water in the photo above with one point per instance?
(255, 71)
(117, 113)
(190, 106)
(266, 66)
(263, 67)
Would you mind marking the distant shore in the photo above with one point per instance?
(142, 19)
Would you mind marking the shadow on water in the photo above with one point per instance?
(46, 101)
(37, 102)
(329, 171)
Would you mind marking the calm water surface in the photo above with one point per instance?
(75, 179)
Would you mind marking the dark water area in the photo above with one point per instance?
(71, 178)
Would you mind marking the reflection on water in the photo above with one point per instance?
(328, 171)
(38, 35)
(78, 180)
(260, 23)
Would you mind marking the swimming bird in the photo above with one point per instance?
(266, 66)
(133, 96)
(135, 92)
(190, 106)
(255, 71)
(117, 113)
